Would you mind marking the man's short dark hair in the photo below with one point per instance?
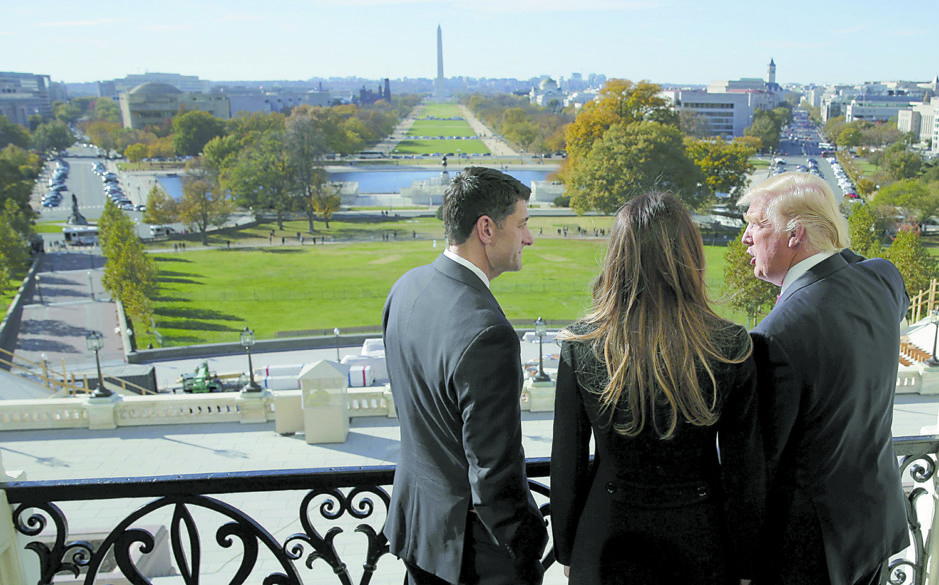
(479, 191)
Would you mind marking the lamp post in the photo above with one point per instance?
(541, 327)
(336, 333)
(934, 319)
(247, 340)
(95, 343)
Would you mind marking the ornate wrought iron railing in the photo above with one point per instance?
(332, 502)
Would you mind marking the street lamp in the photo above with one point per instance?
(541, 327)
(934, 319)
(247, 340)
(95, 343)
(336, 333)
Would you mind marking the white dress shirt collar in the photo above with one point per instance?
(802, 267)
(464, 262)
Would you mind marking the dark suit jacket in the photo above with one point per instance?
(454, 363)
(827, 358)
(653, 510)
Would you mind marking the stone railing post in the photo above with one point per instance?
(253, 405)
(542, 395)
(325, 402)
(102, 411)
(11, 565)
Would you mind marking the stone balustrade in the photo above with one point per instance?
(283, 407)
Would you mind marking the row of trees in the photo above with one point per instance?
(351, 128)
(528, 126)
(20, 165)
(130, 274)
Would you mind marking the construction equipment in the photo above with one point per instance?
(202, 380)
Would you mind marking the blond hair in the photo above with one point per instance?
(794, 199)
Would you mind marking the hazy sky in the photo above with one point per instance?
(663, 41)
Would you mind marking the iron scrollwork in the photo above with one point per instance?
(902, 571)
(333, 505)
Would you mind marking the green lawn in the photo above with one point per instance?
(440, 146)
(209, 296)
(440, 111)
(440, 128)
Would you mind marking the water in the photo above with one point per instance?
(394, 181)
(383, 181)
(173, 185)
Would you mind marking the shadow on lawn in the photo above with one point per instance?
(193, 325)
(204, 314)
(171, 259)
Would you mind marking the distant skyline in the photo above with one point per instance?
(663, 41)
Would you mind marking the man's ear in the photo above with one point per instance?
(797, 236)
(485, 227)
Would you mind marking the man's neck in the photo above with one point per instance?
(469, 264)
(473, 252)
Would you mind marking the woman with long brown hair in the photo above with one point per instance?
(667, 390)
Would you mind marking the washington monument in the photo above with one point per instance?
(440, 88)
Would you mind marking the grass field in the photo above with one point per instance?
(209, 296)
(441, 128)
(431, 110)
(441, 147)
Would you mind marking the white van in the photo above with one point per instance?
(161, 231)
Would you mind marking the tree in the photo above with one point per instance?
(103, 134)
(54, 136)
(620, 101)
(202, 205)
(306, 146)
(15, 235)
(107, 111)
(863, 229)
(849, 137)
(192, 130)
(913, 261)
(161, 208)
(918, 199)
(326, 201)
(261, 175)
(68, 113)
(161, 148)
(18, 171)
(135, 152)
(766, 126)
(630, 159)
(744, 291)
(726, 165)
(11, 133)
(900, 163)
(130, 275)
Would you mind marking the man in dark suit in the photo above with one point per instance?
(461, 510)
(827, 357)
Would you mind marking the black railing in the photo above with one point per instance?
(342, 499)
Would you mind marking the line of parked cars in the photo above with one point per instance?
(847, 187)
(57, 185)
(112, 187)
